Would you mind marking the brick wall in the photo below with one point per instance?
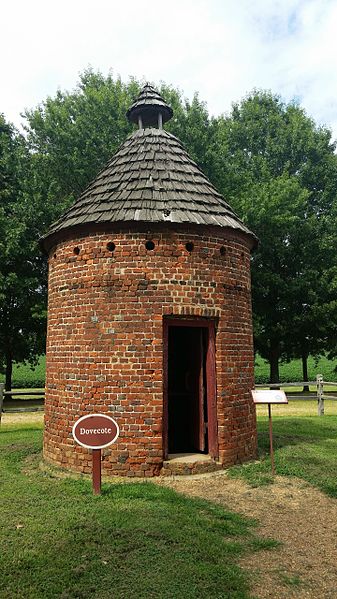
(105, 339)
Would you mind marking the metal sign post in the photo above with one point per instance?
(270, 397)
(96, 431)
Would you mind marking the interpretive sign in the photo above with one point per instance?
(269, 396)
(96, 431)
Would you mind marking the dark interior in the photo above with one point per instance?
(187, 401)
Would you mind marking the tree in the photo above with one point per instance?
(73, 135)
(192, 125)
(22, 269)
(70, 137)
(279, 171)
(273, 165)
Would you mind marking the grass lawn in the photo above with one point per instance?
(305, 445)
(136, 540)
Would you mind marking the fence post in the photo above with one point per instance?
(320, 400)
(2, 388)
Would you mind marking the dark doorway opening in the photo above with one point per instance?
(189, 366)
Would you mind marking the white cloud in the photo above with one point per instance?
(221, 48)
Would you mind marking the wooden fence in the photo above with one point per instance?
(36, 393)
(319, 383)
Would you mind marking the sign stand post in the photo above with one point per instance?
(95, 432)
(265, 396)
(96, 471)
(271, 441)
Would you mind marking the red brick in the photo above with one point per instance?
(105, 344)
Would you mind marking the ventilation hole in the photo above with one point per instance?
(223, 250)
(149, 245)
(76, 250)
(189, 246)
(110, 246)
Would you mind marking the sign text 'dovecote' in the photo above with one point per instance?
(95, 431)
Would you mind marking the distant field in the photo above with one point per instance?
(26, 377)
(293, 371)
(295, 408)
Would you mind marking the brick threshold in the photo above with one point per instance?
(189, 463)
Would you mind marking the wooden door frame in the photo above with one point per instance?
(210, 376)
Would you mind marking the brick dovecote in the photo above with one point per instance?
(108, 297)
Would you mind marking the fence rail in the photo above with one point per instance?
(296, 384)
(319, 383)
(29, 393)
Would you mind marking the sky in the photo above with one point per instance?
(221, 49)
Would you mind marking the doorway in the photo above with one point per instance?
(189, 389)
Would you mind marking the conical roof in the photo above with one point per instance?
(151, 179)
(148, 104)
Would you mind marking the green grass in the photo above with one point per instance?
(136, 540)
(304, 446)
(292, 371)
(291, 581)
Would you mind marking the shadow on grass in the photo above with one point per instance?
(304, 447)
(135, 540)
(293, 431)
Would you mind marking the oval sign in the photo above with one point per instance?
(95, 431)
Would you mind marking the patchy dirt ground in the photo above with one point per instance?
(302, 518)
(290, 511)
(21, 417)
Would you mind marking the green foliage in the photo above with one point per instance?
(275, 167)
(27, 376)
(74, 134)
(292, 371)
(192, 125)
(22, 268)
(280, 173)
(68, 139)
(135, 540)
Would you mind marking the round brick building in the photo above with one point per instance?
(149, 313)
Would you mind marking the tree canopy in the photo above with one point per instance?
(279, 171)
(73, 135)
(22, 268)
(68, 138)
(275, 167)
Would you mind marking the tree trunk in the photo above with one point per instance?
(305, 370)
(274, 365)
(8, 373)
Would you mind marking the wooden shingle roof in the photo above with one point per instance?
(148, 104)
(151, 179)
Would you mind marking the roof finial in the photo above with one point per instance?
(149, 110)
